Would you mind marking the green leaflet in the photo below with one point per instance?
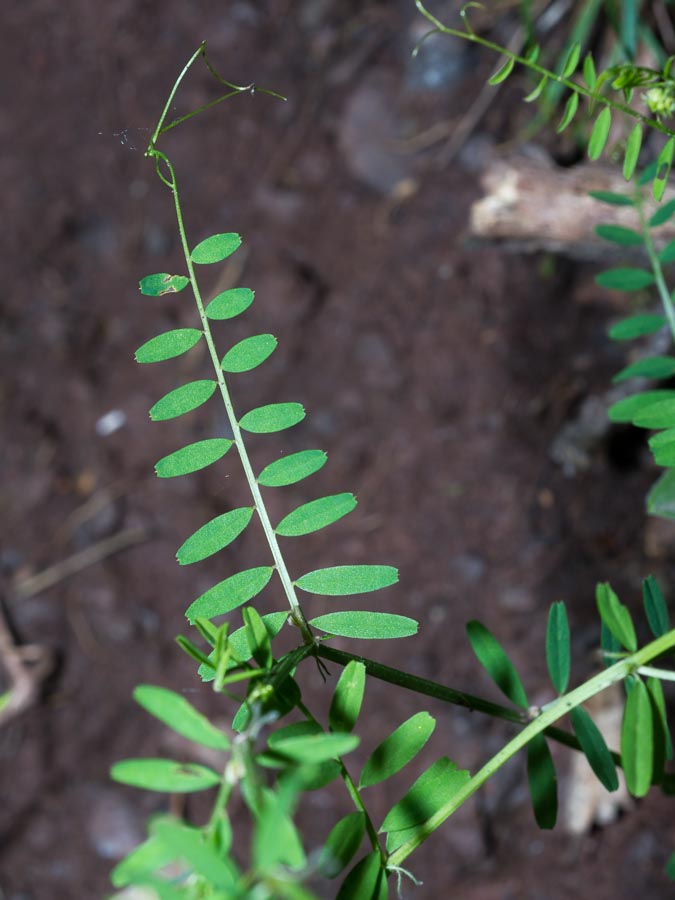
(164, 775)
(341, 844)
(663, 166)
(366, 625)
(271, 418)
(181, 716)
(433, 790)
(637, 326)
(293, 468)
(316, 748)
(609, 645)
(661, 731)
(193, 457)
(594, 747)
(663, 214)
(189, 844)
(249, 353)
(664, 454)
(667, 255)
(599, 134)
(162, 283)
(572, 60)
(648, 406)
(637, 740)
(569, 113)
(625, 279)
(656, 415)
(229, 304)
(655, 607)
(650, 367)
(558, 647)
(259, 641)
(229, 594)
(496, 663)
(238, 642)
(543, 782)
(611, 198)
(502, 73)
(168, 345)
(348, 697)
(616, 617)
(537, 92)
(182, 400)
(215, 248)
(633, 146)
(617, 234)
(342, 580)
(213, 536)
(315, 515)
(398, 749)
(148, 857)
(366, 881)
(589, 72)
(663, 438)
(276, 840)
(661, 497)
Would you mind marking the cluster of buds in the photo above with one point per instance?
(661, 99)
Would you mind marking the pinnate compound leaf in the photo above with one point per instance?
(663, 214)
(229, 594)
(663, 166)
(656, 415)
(616, 617)
(367, 880)
(164, 775)
(625, 279)
(502, 73)
(181, 716)
(372, 626)
(642, 408)
(215, 248)
(340, 581)
(433, 790)
(341, 844)
(655, 607)
(637, 326)
(397, 750)
(293, 468)
(238, 642)
(271, 418)
(496, 663)
(168, 345)
(558, 647)
(348, 697)
(229, 304)
(193, 457)
(599, 134)
(182, 400)
(667, 255)
(249, 353)
(315, 515)
(543, 782)
(162, 283)
(649, 367)
(569, 112)
(316, 748)
(571, 61)
(617, 234)
(213, 536)
(189, 844)
(633, 146)
(594, 747)
(637, 740)
(611, 198)
(661, 497)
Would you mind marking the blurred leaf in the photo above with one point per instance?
(164, 775)
(537, 92)
(637, 326)
(616, 617)
(617, 234)
(642, 408)
(181, 716)
(503, 73)
(230, 593)
(625, 279)
(663, 748)
(162, 283)
(655, 607)
(348, 697)
(193, 457)
(182, 400)
(633, 146)
(292, 468)
(663, 214)
(496, 663)
(663, 165)
(215, 248)
(558, 647)
(398, 749)
(315, 515)
(249, 353)
(275, 839)
(670, 867)
(168, 345)
(667, 255)
(342, 580)
(366, 881)
(599, 134)
(611, 198)
(316, 748)
(609, 646)
(594, 747)
(589, 72)
(229, 304)
(213, 536)
(657, 415)
(341, 844)
(629, 26)
(572, 60)
(148, 857)
(543, 782)
(271, 418)
(649, 367)
(637, 740)
(569, 113)
(189, 844)
(661, 497)
(366, 625)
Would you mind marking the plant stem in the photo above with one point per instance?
(657, 269)
(618, 672)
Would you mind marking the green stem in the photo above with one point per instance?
(618, 672)
(657, 269)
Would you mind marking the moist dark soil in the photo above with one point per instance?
(438, 375)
